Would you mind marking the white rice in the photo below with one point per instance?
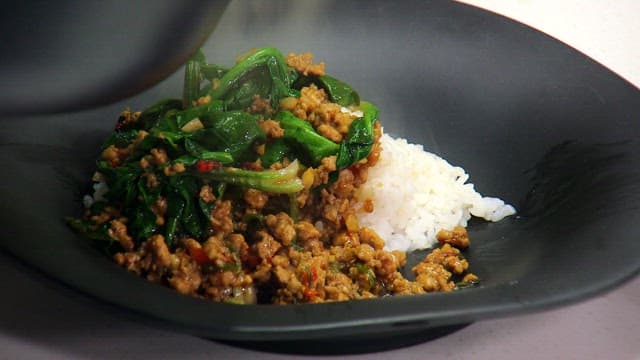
(416, 194)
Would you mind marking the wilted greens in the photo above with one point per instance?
(209, 136)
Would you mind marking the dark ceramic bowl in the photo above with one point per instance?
(533, 121)
(66, 55)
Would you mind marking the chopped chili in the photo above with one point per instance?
(199, 255)
(203, 166)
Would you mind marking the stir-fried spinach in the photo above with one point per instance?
(236, 132)
(304, 142)
(263, 73)
(360, 138)
(170, 150)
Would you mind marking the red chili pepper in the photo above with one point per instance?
(313, 274)
(199, 256)
(310, 293)
(206, 165)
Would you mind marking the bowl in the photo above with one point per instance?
(532, 120)
(71, 55)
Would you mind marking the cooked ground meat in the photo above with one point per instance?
(281, 226)
(127, 117)
(118, 231)
(206, 194)
(159, 156)
(303, 63)
(271, 128)
(457, 237)
(221, 221)
(185, 274)
(256, 199)
(260, 105)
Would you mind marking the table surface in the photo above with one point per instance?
(41, 319)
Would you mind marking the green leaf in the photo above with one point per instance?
(147, 195)
(175, 209)
(183, 117)
(86, 228)
(142, 221)
(338, 91)
(264, 72)
(283, 181)
(212, 71)
(205, 210)
(170, 127)
(192, 78)
(275, 151)
(121, 181)
(359, 140)
(234, 132)
(151, 116)
(120, 139)
(188, 189)
(199, 152)
(308, 146)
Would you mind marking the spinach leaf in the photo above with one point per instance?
(283, 181)
(175, 209)
(275, 151)
(197, 70)
(122, 181)
(184, 212)
(170, 128)
(212, 71)
(205, 211)
(338, 91)
(235, 132)
(120, 139)
(186, 187)
(146, 195)
(264, 73)
(359, 140)
(152, 115)
(142, 221)
(183, 117)
(192, 78)
(198, 152)
(308, 146)
(98, 233)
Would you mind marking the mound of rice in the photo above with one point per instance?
(416, 194)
